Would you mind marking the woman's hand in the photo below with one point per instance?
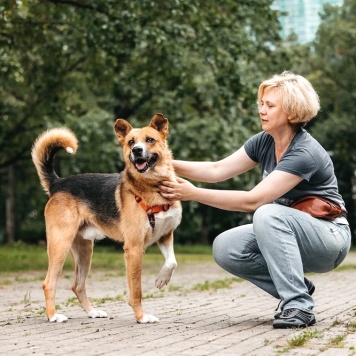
(180, 190)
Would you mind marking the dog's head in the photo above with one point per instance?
(144, 148)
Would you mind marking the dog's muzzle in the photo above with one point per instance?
(142, 160)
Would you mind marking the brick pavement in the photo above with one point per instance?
(235, 320)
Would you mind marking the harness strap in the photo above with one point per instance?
(151, 210)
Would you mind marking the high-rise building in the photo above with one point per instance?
(302, 16)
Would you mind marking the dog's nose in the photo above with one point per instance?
(137, 150)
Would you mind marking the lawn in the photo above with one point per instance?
(22, 257)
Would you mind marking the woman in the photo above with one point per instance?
(282, 243)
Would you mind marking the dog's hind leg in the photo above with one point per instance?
(57, 252)
(55, 264)
(82, 251)
(61, 229)
(165, 244)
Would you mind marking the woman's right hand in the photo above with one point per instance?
(179, 190)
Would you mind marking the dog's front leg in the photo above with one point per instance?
(133, 257)
(165, 244)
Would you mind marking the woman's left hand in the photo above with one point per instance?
(180, 190)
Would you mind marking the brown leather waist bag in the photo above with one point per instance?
(318, 207)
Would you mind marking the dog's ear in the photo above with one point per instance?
(122, 128)
(160, 123)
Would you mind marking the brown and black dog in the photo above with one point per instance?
(125, 207)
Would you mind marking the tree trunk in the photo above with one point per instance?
(10, 203)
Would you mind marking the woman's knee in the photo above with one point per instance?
(270, 216)
(232, 248)
(264, 214)
(220, 252)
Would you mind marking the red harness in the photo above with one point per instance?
(151, 210)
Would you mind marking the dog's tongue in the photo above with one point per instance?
(141, 166)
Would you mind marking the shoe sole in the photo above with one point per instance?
(284, 325)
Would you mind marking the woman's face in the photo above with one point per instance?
(273, 117)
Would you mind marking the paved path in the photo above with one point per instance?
(235, 318)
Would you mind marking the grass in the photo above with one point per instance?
(22, 257)
(215, 285)
(337, 341)
(303, 338)
(118, 298)
(351, 326)
(345, 267)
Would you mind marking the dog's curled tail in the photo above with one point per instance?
(44, 149)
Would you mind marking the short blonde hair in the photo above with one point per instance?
(299, 99)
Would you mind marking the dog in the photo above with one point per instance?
(126, 207)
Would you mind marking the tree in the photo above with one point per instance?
(332, 70)
(83, 63)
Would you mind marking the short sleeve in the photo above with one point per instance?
(298, 162)
(257, 146)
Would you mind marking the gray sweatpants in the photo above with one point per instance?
(277, 249)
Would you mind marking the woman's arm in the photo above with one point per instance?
(269, 189)
(212, 172)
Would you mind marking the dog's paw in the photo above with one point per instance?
(97, 314)
(164, 277)
(161, 282)
(146, 319)
(58, 318)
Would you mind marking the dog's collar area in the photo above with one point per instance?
(151, 210)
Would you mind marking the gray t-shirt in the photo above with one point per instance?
(304, 157)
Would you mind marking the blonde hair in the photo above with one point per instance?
(299, 99)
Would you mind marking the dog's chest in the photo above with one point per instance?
(165, 221)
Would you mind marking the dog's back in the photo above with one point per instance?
(95, 190)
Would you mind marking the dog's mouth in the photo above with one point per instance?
(142, 165)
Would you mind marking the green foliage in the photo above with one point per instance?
(332, 69)
(82, 64)
(329, 63)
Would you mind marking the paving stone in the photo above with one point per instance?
(229, 321)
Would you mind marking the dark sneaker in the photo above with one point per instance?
(310, 291)
(294, 318)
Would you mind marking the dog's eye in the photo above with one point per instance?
(131, 142)
(150, 140)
